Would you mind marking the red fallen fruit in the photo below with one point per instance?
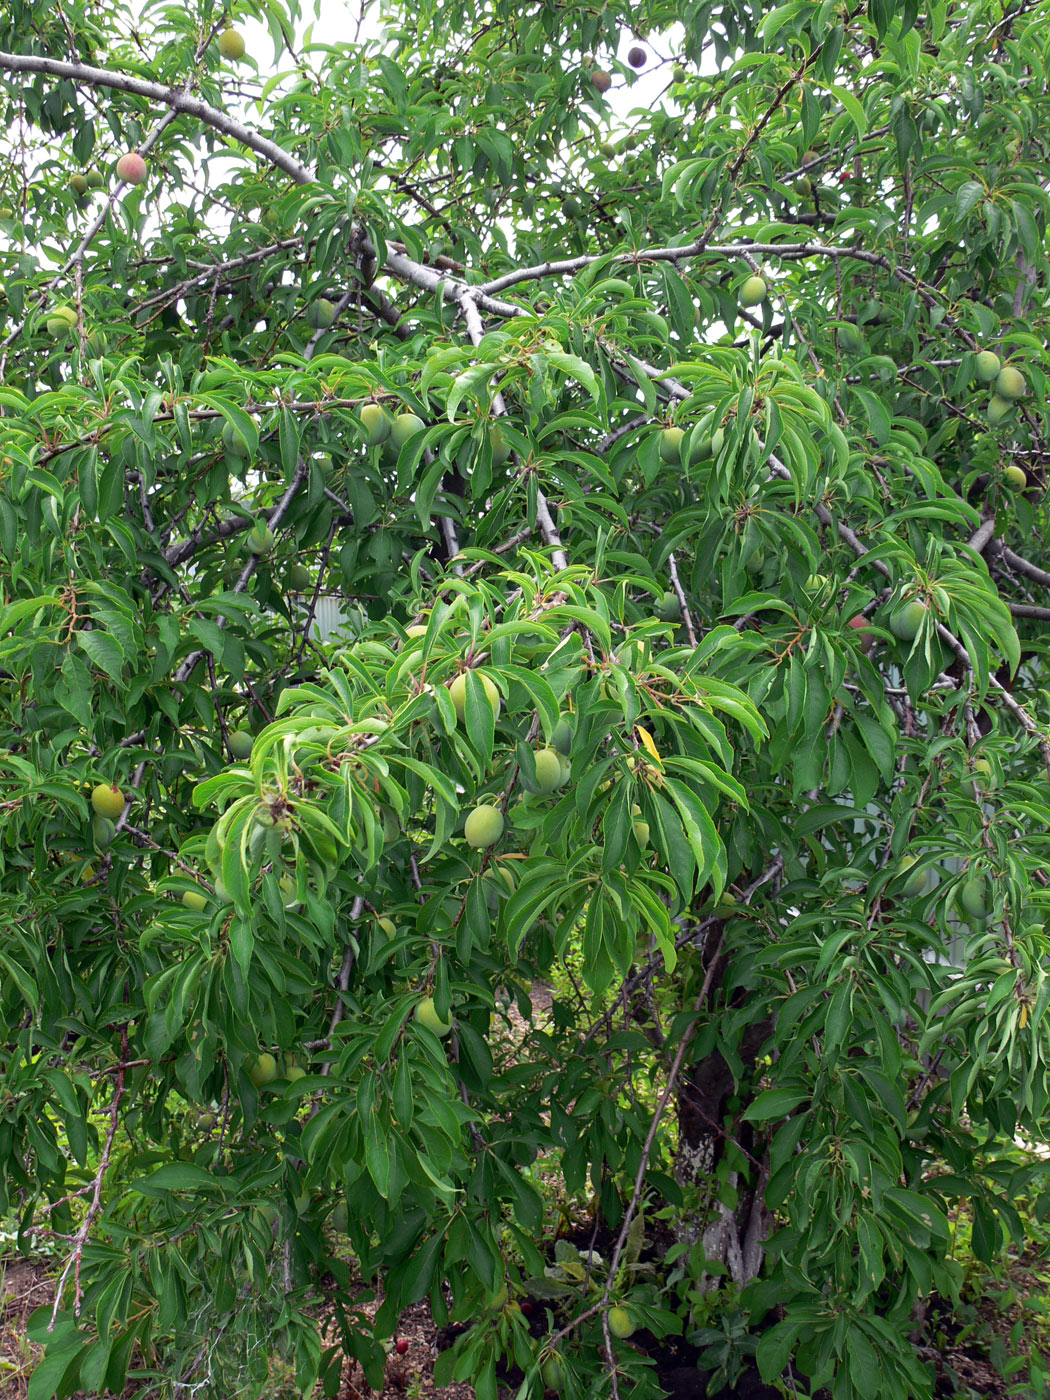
(401, 1346)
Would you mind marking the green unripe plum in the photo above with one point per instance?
(78, 184)
(1015, 478)
(260, 540)
(917, 884)
(195, 901)
(107, 801)
(973, 897)
(458, 691)
(803, 187)
(299, 579)
(241, 742)
(289, 891)
(263, 1071)
(234, 444)
(756, 560)
(641, 833)
(606, 149)
(96, 343)
(60, 322)
(998, 408)
(483, 827)
(404, 428)
(753, 292)
(294, 1073)
(551, 1373)
(499, 446)
(987, 366)
(727, 903)
(1010, 383)
(548, 770)
(340, 1218)
(95, 180)
(671, 445)
(320, 314)
(907, 620)
(231, 44)
(983, 770)
(621, 1323)
(678, 73)
(206, 1121)
(570, 207)
(562, 737)
(222, 894)
(426, 1015)
(376, 422)
(386, 926)
(566, 769)
(668, 608)
(103, 831)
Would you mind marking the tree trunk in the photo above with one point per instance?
(733, 1237)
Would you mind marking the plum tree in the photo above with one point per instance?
(107, 800)
(546, 507)
(484, 826)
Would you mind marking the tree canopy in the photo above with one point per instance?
(472, 535)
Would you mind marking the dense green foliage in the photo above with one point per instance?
(708, 558)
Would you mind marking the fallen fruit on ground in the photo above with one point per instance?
(483, 827)
(426, 1015)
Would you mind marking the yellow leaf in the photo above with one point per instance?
(647, 741)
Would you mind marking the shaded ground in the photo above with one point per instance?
(963, 1366)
